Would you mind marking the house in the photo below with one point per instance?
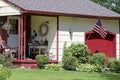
(43, 27)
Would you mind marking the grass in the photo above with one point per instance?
(21, 74)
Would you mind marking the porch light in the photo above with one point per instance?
(70, 31)
(47, 22)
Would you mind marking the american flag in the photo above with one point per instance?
(100, 29)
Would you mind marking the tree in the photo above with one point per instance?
(113, 5)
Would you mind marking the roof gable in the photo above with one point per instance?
(78, 7)
(6, 9)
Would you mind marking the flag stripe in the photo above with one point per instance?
(100, 29)
(100, 32)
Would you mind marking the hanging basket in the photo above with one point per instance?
(41, 33)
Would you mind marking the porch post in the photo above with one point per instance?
(57, 38)
(24, 34)
(19, 37)
(22, 22)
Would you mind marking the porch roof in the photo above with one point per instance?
(82, 8)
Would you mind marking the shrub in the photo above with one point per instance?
(80, 51)
(90, 68)
(70, 63)
(114, 65)
(54, 67)
(99, 68)
(98, 59)
(87, 68)
(4, 73)
(5, 59)
(42, 60)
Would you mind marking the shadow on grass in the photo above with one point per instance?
(111, 76)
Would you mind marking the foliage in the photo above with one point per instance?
(5, 59)
(80, 51)
(90, 68)
(4, 73)
(64, 46)
(87, 68)
(54, 67)
(99, 68)
(114, 65)
(42, 60)
(70, 63)
(110, 4)
(98, 59)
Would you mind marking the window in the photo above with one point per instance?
(1, 23)
(14, 26)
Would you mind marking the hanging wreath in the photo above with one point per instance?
(45, 25)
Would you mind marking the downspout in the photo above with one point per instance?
(57, 38)
(119, 39)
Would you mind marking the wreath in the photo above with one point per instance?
(40, 29)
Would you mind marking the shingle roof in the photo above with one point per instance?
(78, 7)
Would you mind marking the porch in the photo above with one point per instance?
(32, 35)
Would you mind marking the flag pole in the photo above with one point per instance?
(88, 36)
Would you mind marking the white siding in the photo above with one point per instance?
(79, 26)
(7, 9)
(118, 46)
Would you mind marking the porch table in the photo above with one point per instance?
(38, 47)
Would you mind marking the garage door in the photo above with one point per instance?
(103, 45)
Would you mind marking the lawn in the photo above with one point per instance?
(21, 74)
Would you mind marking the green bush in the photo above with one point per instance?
(5, 59)
(87, 68)
(98, 59)
(42, 60)
(70, 63)
(90, 68)
(54, 67)
(4, 73)
(99, 68)
(80, 51)
(114, 65)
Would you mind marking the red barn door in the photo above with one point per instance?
(97, 44)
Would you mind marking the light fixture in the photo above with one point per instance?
(47, 22)
(70, 31)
